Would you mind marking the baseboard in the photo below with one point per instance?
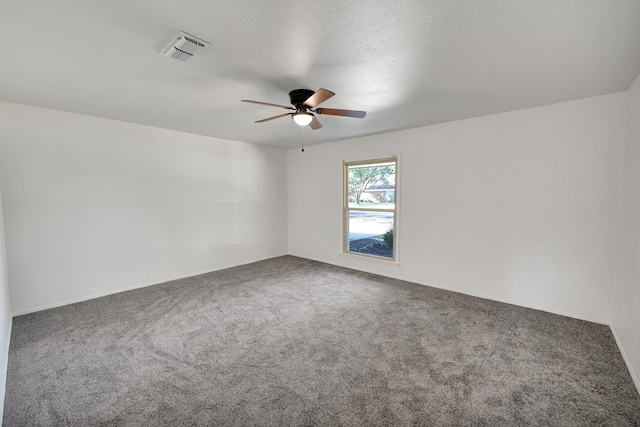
(627, 362)
(3, 385)
(634, 377)
(131, 288)
(632, 373)
(393, 276)
(472, 294)
(533, 307)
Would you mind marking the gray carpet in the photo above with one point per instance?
(289, 341)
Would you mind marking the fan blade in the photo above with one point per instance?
(267, 103)
(315, 123)
(338, 112)
(318, 98)
(273, 118)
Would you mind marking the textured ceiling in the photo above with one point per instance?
(407, 63)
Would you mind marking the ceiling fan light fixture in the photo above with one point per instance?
(302, 118)
(304, 101)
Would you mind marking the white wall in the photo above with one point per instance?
(517, 207)
(93, 206)
(625, 317)
(5, 315)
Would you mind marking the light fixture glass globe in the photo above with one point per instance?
(302, 119)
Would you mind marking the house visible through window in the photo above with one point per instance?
(370, 219)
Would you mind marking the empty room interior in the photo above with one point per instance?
(320, 213)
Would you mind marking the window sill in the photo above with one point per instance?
(381, 261)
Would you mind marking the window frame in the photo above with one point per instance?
(346, 209)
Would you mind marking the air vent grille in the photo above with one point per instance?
(183, 47)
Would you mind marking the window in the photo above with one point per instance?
(370, 208)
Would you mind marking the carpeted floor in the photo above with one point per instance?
(289, 341)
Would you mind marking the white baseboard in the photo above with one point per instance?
(3, 384)
(634, 377)
(130, 288)
(473, 294)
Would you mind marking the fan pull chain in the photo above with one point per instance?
(303, 138)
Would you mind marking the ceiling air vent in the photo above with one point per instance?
(183, 47)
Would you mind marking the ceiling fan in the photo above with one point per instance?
(305, 103)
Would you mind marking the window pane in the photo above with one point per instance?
(372, 186)
(371, 233)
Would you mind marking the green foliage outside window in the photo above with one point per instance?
(388, 237)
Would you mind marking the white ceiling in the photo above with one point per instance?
(407, 63)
